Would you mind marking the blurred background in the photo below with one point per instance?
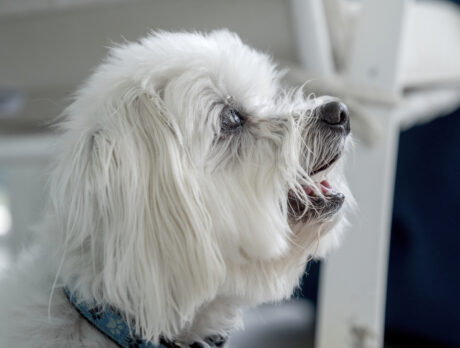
(395, 282)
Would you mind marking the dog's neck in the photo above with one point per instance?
(112, 324)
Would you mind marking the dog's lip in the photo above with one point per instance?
(326, 166)
(324, 187)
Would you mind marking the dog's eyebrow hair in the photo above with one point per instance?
(212, 107)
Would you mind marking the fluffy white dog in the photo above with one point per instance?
(189, 186)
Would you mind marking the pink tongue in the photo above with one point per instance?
(325, 186)
(308, 190)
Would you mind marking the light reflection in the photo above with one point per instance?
(5, 220)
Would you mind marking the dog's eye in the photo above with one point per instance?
(231, 120)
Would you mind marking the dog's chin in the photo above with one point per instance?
(324, 201)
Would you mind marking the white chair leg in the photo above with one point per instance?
(353, 279)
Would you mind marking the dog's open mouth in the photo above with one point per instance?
(324, 201)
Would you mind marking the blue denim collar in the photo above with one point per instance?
(112, 324)
(109, 322)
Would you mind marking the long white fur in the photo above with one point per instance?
(149, 213)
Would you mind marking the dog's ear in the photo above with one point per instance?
(136, 233)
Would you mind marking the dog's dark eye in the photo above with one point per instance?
(231, 120)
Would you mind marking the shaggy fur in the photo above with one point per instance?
(169, 199)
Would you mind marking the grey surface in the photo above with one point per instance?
(59, 48)
(289, 324)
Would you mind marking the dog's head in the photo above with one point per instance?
(182, 156)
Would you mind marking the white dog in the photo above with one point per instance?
(189, 186)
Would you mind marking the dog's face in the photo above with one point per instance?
(260, 155)
(183, 156)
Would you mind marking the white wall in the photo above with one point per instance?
(60, 47)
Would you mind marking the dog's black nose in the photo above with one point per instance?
(335, 115)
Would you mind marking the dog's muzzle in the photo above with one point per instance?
(333, 124)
